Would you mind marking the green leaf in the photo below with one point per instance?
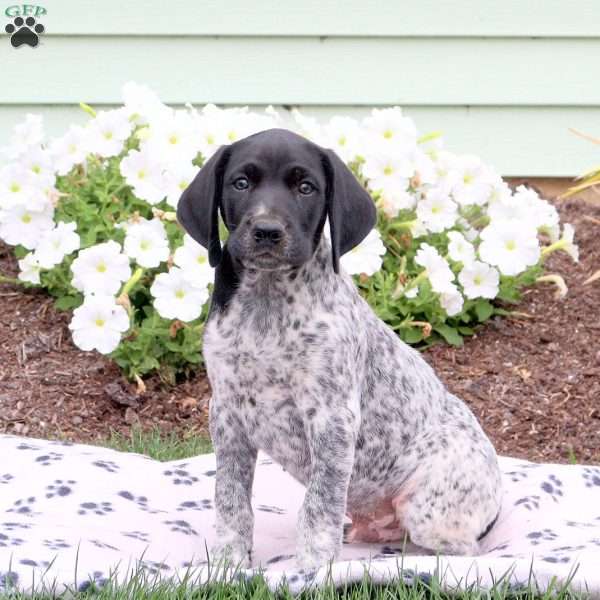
(450, 334)
(68, 302)
(483, 309)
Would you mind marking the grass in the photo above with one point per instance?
(141, 585)
(160, 446)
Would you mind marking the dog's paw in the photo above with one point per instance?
(230, 555)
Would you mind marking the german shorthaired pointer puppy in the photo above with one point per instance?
(301, 367)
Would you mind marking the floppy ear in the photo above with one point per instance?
(350, 208)
(198, 208)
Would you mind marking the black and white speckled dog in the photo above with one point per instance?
(302, 368)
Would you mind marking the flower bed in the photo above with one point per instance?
(91, 216)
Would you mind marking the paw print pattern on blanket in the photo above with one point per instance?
(180, 476)
(60, 488)
(65, 504)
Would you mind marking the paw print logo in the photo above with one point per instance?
(24, 31)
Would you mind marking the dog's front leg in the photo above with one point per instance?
(331, 438)
(236, 460)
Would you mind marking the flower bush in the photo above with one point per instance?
(91, 216)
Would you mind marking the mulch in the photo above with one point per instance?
(532, 379)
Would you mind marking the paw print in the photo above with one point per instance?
(56, 544)
(23, 506)
(529, 502)
(591, 476)
(181, 526)
(60, 488)
(141, 501)
(516, 476)
(6, 541)
(553, 487)
(100, 544)
(107, 465)
(9, 526)
(546, 535)
(46, 459)
(153, 567)
(6, 478)
(142, 536)
(8, 580)
(96, 581)
(180, 476)
(24, 31)
(98, 508)
(271, 509)
(204, 504)
(25, 446)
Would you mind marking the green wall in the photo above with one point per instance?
(504, 79)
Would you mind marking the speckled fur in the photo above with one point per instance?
(303, 369)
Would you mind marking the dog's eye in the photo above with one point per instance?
(306, 188)
(241, 183)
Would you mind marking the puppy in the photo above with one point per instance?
(301, 367)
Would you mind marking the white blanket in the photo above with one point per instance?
(75, 514)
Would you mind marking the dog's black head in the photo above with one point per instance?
(274, 191)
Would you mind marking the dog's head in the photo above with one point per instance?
(274, 191)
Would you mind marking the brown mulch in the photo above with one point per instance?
(532, 379)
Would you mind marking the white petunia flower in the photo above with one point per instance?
(142, 104)
(176, 298)
(29, 269)
(365, 258)
(56, 243)
(388, 174)
(452, 301)
(176, 178)
(18, 187)
(566, 243)
(436, 268)
(512, 246)
(393, 201)
(26, 135)
(174, 138)
(459, 249)
(479, 280)
(142, 172)
(19, 225)
(193, 260)
(388, 126)
(437, 211)
(342, 134)
(100, 269)
(98, 324)
(473, 185)
(69, 150)
(38, 163)
(146, 242)
(107, 132)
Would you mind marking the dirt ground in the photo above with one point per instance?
(532, 379)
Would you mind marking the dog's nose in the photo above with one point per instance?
(268, 233)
